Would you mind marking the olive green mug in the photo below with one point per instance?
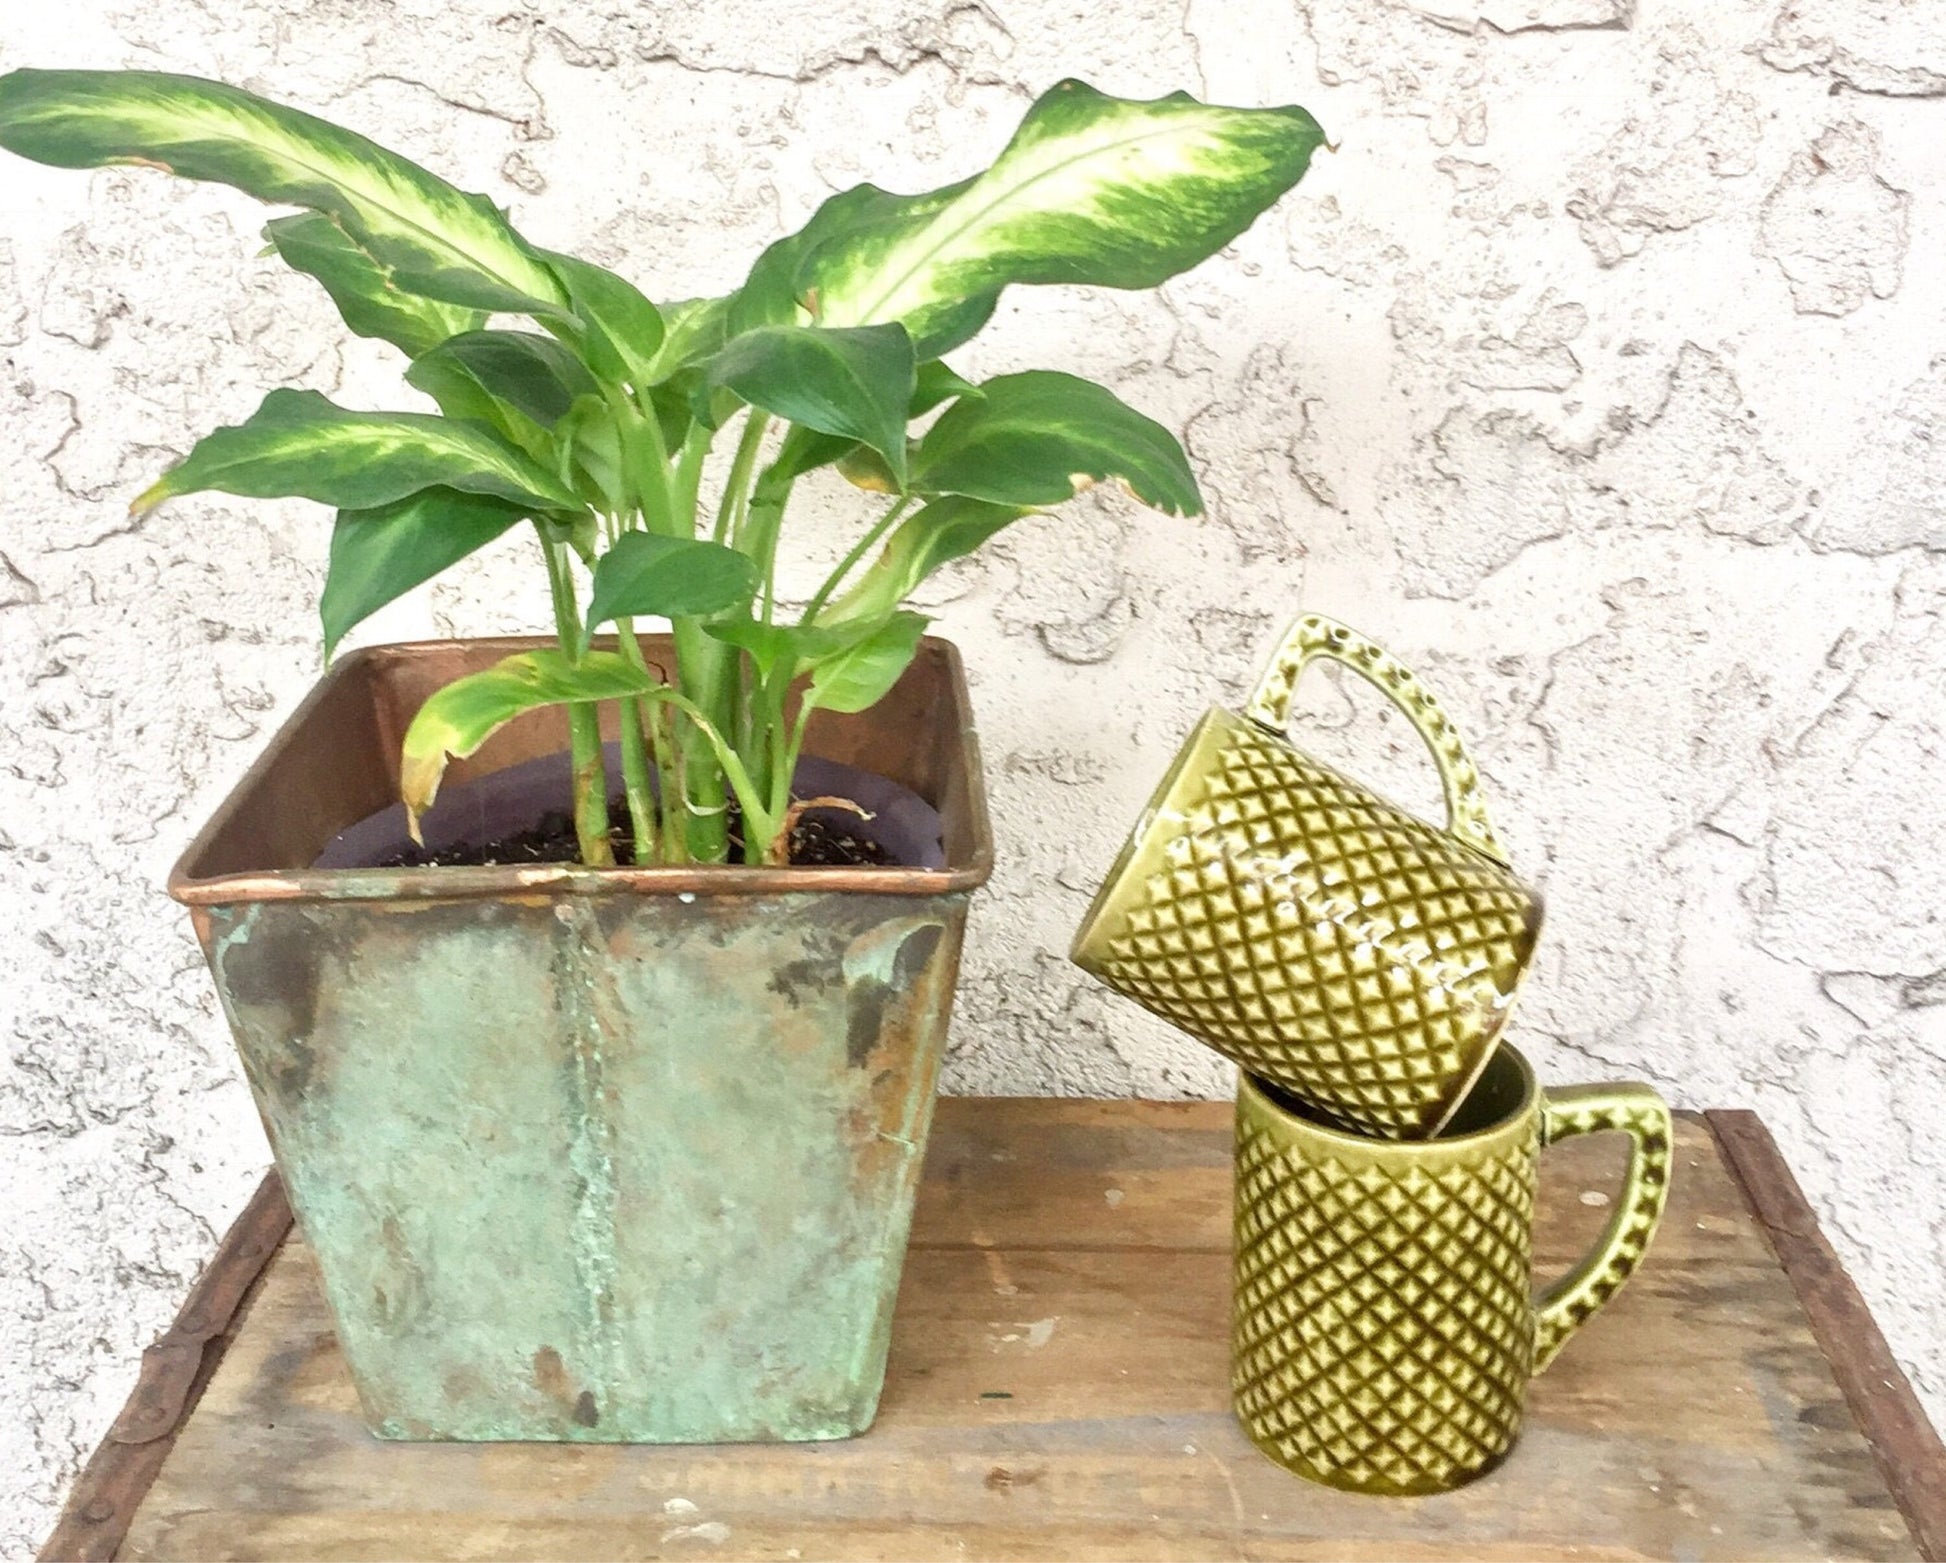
(1384, 1327)
(1304, 927)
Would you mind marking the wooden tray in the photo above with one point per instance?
(1058, 1390)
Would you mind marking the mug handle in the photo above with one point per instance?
(1315, 636)
(1638, 1112)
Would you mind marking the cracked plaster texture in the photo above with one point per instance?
(1598, 373)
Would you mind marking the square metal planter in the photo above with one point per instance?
(619, 1154)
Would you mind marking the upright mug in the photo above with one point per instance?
(1298, 923)
(1383, 1329)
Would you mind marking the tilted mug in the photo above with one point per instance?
(1384, 1329)
(1304, 927)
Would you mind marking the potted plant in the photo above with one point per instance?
(623, 1146)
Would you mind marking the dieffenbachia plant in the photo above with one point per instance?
(594, 428)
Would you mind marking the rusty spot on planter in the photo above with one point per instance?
(880, 990)
(550, 1374)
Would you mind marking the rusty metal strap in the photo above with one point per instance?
(169, 1367)
(156, 1403)
(102, 1504)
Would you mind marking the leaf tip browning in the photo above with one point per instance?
(419, 778)
(150, 497)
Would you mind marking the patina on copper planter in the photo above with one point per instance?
(619, 1154)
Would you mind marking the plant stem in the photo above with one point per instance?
(689, 477)
(736, 497)
(850, 561)
(642, 818)
(759, 531)
(756, 806)
(645, 460)
(584, 721)
(668, 766)
(642, 813)
(706, 670)
(790, 747)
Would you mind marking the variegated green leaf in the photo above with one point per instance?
(436, 240)
(456, 720)
(945, 530)
(1092, 189)
(362, 289)
(770, 645)
(298, 443)
(861, 675)
(379, 555)
(1041, 437)
(459, 394)
(595, 446)
(937, 382)
(804, 450)
(857, 383)
(782, 287)
(620, 330)
(645, 575)
(533, 374)
(692, 329)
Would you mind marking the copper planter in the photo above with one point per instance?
(620, 1154)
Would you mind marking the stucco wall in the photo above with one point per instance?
(1601, 373)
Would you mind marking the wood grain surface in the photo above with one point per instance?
(1058, 1390)
(1911, 1455)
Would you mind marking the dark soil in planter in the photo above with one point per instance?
(815, 843)
(523, 815)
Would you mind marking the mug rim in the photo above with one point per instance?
(1258, 1091)
(1495, 1041)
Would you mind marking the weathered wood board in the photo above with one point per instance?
(1058, 1390)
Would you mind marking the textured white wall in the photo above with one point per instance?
(1601, 373)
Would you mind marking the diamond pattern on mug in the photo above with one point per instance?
(1323, 939)
(1382, 1327)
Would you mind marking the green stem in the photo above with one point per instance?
(849, 563)
(668, 766)
(584, 722)
(790, 747)
(736, 495)
(645, 461)
(759, 531)
(642, 813)
(779, 767)
(706, 670)
(756, 807)
(689, 476)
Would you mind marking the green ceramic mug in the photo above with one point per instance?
(1307, 929)
(1384, 1327)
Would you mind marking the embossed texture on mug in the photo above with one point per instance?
(1383, 1331)
(1298, 923)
